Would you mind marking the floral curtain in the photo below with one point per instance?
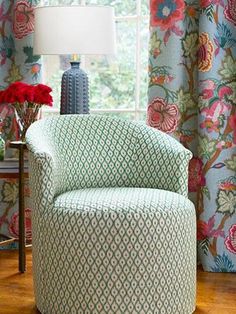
(192, 96)
(17, 63)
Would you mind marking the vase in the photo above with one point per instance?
(2, 148)
(25, 116)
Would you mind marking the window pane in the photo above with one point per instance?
(47, 114)
(145, 7)
(122, 7)
(121, 115)
(142, 116)
(52, 74)
(112, 79)
(144, 63)
(127, 7)
(60, 2)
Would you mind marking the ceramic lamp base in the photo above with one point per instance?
(74, 91)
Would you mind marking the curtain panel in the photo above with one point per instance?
(192, 96)
(17, 63)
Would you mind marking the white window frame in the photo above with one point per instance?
(138, 17)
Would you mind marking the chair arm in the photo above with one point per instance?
(162, 162)
(42, 178)
(43, 167)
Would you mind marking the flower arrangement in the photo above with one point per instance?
(27, 100)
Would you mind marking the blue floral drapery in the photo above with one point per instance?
(17, 63)
(192, 96)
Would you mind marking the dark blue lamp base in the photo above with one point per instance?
(74, 91)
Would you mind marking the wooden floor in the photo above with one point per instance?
(216, 293)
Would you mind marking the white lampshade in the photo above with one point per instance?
(67, 30)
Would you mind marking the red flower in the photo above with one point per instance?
(14, 93)
(29, 93)
(196, 178)
(230, 11)
(27, 100)
(42, 95)
(20, 92)
(23, 22)
(165, 13)
(230, 241)
(162, 116)
(14, 224)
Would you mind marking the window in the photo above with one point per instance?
(118, 85)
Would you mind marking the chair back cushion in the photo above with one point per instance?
(100, 151)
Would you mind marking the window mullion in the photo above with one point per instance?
(138, 58)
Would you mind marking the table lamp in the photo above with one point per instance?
(64, 30)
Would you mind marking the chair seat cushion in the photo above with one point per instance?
(122, 199)
(118, 250)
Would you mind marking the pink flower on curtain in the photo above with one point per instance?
(165, 13)
(23, 22)
(215, 110)
(191, 11)
(162, 116)
(205, 3)
(208, 90)
(232, 123)
(196, 178)
(230, 241)
(230, 11)
(161, 79)
(13, 226)
(224, 144)
(11, 128)
(6, 111)
(205, 53)
(205, 229)
(224, 90)
(227, 186)
(210, 125)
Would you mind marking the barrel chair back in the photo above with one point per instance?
(97, 151)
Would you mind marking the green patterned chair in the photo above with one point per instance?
(113, 230)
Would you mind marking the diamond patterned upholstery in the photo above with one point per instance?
(113, 231)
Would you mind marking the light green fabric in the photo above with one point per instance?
(96, 151)
(107, 237)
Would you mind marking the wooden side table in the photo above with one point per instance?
(21, 146)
